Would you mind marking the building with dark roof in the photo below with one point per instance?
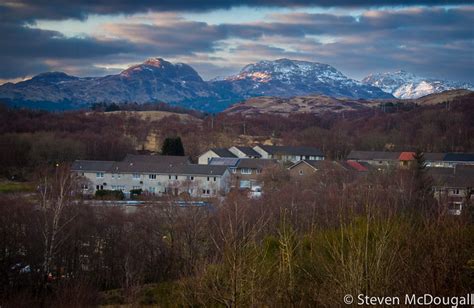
(454, 186)
(205, 157)
(244, 152)
(289, 153)
(245, 172)
(156, 175)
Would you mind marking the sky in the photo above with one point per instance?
(218, 37)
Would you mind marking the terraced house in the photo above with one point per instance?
(155, 174)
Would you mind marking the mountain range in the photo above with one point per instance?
(405, 85)
(157, 80)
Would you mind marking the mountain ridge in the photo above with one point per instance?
(157, 80)
(405, 85)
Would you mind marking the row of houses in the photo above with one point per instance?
(222, 169)
(155, 174)
(405, 159)
(280, 153)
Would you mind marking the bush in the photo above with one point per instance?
(109, 194)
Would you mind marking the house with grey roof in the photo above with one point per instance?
(245, 172)
(289, 153)
(454, 186)
(244, 152)
(157, 175)
(205, 157)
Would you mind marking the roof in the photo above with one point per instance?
(404, 156)
(163, 159)
(223, 152)
(459, 157)
(158, 164)
(92, 165)
(255, 163)
(291, 150)
(319, 164)
(357, 166)
(373, 155)
(248, 151)
(434, 156)
(460, 176)
(224, 161)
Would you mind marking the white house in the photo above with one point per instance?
(157, 175)
(214, 153)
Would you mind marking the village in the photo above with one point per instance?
(220, 170)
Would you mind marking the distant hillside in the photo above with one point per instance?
(319, 104)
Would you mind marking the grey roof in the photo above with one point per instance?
(291, 150)
(92, 165)
(223, 152)
(460, 176)
(459, 157)
(163, 159)
(434, 156)
(320, 164)
(248, 151)
(224, 161)
(255, 163)
(373, 155)
(158, 164)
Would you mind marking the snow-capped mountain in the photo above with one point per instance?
(286, 78)
(405, 85)
(157, 80)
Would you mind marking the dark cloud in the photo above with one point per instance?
(59, 9)
(426, 40)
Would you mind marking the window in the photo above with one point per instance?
(152, 176)
(456, 191)
(208, 179)
(118, 176)
(84, 186)
(175, 177)
(152, 190)
(136, 176)
(215, 179)
(136, 187)
(233, 170)
(245, 184)
(301, 172)
(245, 171)
(191, 178)
(169, 177)
(99, 175)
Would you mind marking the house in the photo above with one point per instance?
(434, 159)
(244, 152)
(213, 153)
(377, 159)
(309, 167)
(289, 153)
(158, 175)
(245, 172)
(454, 186)
(453, 159)
(406, 159)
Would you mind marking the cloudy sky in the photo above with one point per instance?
(218, 37)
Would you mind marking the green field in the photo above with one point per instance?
(15, 187)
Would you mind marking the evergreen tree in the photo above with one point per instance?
(172, 146)
(422, 181)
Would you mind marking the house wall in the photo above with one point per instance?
(195, 185)
(262, 152)
(206, 157)
(237, 152)
(244, 180)
(301, 170)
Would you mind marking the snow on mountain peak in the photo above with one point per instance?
(406, 85)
